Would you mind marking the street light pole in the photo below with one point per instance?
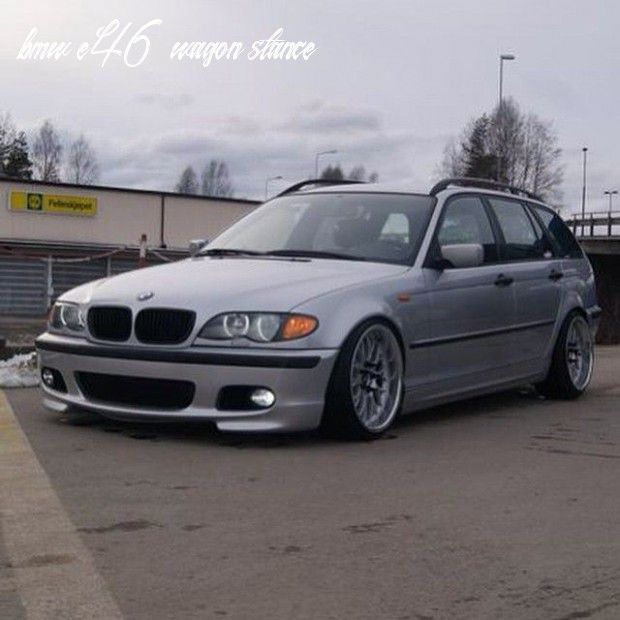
(500, 108)
(267, 181)
(316, 160)
(584, 150)
(611, 194)
(501, 75)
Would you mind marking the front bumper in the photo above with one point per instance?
(298, 378)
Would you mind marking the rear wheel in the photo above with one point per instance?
(572, 362)
(366, 387)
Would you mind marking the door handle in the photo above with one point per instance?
(555, 275)
(503, 280)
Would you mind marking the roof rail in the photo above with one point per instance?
(302, 184)
(484, 184)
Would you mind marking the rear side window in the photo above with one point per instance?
(465, 221)
(559, 233)
(521, 239)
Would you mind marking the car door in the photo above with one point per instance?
(471, 309)
(529, 256)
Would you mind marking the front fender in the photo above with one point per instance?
(401, 301)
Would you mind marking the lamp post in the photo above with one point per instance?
(316, 160)
(611, 194)
(500, 108)
(501, 74)
(267, 181)
(584, 150)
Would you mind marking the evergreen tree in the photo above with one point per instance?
(478, 162)
(17, 162)
(7, 135)
(332, 173)
(188, 182)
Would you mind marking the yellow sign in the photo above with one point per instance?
(84, 206)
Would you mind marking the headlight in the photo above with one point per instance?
(258, 326)
(67, 316)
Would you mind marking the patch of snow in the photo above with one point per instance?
(19, 371)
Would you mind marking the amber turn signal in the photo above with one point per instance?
(298, 326)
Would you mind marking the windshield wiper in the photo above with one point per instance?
(313, 254)
(230, 252)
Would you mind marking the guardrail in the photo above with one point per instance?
(595, 221)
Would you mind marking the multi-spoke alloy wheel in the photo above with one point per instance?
(376, 377)
(579, 354)
(366, 387)
(572, 361)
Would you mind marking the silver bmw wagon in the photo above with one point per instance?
(335, 306)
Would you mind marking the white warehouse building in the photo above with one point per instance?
(54, 236)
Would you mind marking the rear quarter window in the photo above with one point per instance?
(559, 232)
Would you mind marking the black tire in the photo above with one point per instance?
(558, 383)
(339, 416)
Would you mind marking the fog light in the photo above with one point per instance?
(262, 397)
(53, 379)
(48, 377)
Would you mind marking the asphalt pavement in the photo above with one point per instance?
(501, 507)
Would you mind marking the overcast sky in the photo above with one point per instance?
(390, 82)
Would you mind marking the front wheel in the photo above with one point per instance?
(366, 387)
(572, 361)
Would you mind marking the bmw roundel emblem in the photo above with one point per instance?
(145, 295)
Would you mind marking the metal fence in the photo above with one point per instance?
(31, 279)
(596, 224)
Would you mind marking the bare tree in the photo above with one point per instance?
(539, 168)
(47, 153)
(511, 147)
(358, 173)
(188, 182)
(216, 180)
(82, 165)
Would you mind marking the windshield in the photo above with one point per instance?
(355, 226)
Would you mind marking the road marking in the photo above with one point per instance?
(53, 570)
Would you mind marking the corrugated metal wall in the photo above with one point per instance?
(66, 276)
(23, 286)
(28, 286)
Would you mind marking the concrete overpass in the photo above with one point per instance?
(599, 236)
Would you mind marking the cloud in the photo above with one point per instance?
(255, 150)
(168, 102)
(316, 116)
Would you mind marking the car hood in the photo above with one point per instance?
(214, 284)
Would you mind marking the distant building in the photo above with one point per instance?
(45, 226)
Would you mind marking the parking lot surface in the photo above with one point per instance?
(501, 507)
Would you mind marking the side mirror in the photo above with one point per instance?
(461, 255)
(195, 245)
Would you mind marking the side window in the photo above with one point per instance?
(544, 240)
(559, 232)
(521, 239)
(465, 221)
